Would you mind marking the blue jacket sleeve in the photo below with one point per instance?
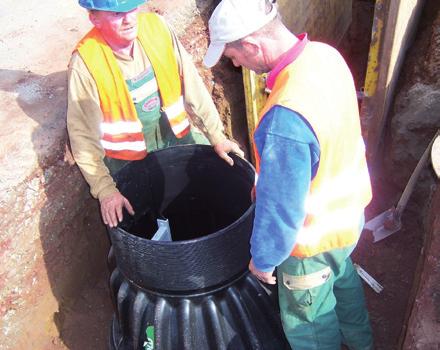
(289, 153)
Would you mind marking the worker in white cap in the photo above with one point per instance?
(133, 89)
(313, 182)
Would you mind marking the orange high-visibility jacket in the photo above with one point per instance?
(319, 86)
(121, 129)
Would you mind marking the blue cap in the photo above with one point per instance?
(111, 5)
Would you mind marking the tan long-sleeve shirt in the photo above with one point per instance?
(84, 114)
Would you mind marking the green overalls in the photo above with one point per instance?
(322, 302)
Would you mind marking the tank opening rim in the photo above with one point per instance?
(193, 240)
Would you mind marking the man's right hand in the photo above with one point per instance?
(223, 148)
(111, 208)
(266, 277)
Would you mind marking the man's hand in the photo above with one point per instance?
(111, 208)
(226, 146)
(266, 277)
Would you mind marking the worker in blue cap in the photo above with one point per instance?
(133, 89)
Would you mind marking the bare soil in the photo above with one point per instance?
(83, 322)
(394, 262)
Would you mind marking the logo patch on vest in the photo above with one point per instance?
(150, 104)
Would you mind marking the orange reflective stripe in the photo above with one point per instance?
(177, 117)
(180, 125)
(126, 154)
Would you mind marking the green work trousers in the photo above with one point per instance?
(322, 303)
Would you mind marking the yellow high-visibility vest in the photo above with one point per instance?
(319, 86)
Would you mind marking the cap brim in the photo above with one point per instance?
(213, 55)
(128, 6)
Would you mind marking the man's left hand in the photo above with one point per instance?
(226, 146)
(266, 277)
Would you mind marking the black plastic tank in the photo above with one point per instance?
(194, 292)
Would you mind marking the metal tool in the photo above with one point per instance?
(163, 232)
(389, 222)
(376, 286)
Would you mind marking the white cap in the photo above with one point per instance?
(233, 20)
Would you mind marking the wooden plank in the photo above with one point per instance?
(394, 25)
(255, 98)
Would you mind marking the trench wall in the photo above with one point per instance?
(423, 328)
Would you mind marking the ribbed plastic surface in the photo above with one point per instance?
(194, 292)
(240, 316)
(209, 208)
